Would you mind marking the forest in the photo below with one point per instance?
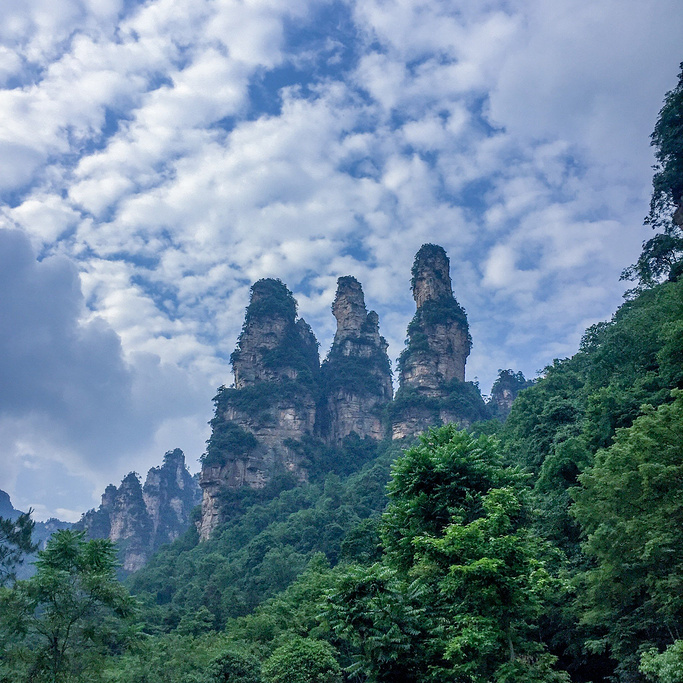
(543, 548)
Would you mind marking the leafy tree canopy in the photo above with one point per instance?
(73, 610)
(15, 542)
(630, 506)
(661, 255)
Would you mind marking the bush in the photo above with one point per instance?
(233, 667)
(303, 661)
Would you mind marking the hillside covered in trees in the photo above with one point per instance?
(544, 548)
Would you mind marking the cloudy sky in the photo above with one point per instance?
(157, 157)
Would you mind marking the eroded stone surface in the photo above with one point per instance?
(141, 519)
(276, 368)
(356, 376)
(432, 367)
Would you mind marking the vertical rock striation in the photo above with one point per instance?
(273, 402)
(356, 376)
(141, 519)
(432, 366)
(170, 493)
(504, 391)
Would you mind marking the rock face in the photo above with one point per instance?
(170, 493)
(356, 376)
(140, 519)
(272, 404)
(285, 410)
(7, 510)
(438, 336)
(504, 391)
(432, 367)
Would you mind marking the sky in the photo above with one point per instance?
(158, 157)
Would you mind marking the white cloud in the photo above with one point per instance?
(173, 151)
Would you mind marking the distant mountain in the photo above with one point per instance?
(286, 414)
(139, 518)
(41, 532)
(7, 510)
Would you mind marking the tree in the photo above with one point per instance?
(630, 508)
(463, 580)
(15, 542)
(233, 667)
(666, 667)
(661, 255)
(72, 610)
(303, 660)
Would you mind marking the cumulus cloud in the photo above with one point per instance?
(161, 156)
(69, 397)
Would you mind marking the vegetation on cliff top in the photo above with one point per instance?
(661, 255)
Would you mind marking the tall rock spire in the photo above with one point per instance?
(432, 366)
(272, 405)
(141, 519)
(356, 376)
(438, 335)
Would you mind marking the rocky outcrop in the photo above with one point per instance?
(432, 367)
(7, 510)
(140, 519)
(285, 412)
(170, 493)
(274, 345)
(438, 335)
(356, 376)
(504, 391)
(272, 404)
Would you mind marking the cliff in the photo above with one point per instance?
(356, 376)
(432, 387)
(504, 391)
(287, 415)
(141, 519)
(272, 404)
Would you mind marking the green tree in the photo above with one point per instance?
(71, 611)
(303, 660)
(661, 255)
(495, 584)
(15, 542)
(463, 580)
(665, 667)
(233, 667)
(630, 507)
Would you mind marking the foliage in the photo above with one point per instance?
(303, 660)
(171, 659)
(15, 543)
(445, 471)
(463, 580)
(665, 667)
(358, 375)
(73, 610)
(262, 547)
(233, 667)
(227, 439)
(556, 426)
(460, 398)
(661, 255)
(630, 506)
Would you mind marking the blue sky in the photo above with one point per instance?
(158, 157)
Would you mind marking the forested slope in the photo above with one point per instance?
(547, 549)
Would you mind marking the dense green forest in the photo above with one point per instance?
(546, 548)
